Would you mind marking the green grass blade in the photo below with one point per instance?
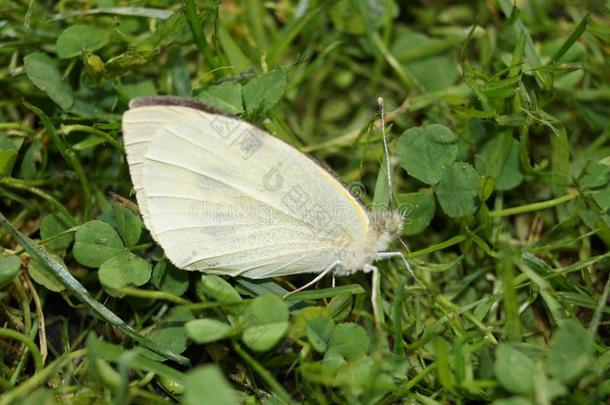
(114, 353)
(531, 53)
(190, 10)
(66, 278)
(511, 305)
(322, 293)
(578, 31)
(68, 155)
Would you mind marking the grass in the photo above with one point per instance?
(497, 119)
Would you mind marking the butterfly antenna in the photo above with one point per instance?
(386, 150)
(404, 244)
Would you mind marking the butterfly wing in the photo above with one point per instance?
(220, 195)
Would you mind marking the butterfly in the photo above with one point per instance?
(222, 196)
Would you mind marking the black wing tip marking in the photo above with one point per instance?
(176, 101)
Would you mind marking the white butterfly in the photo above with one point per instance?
(222, 196)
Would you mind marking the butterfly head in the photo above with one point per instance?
(385, 226)
(386, 222)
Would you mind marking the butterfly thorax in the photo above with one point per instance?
(362, 252)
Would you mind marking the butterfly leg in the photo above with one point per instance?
(375, 290)
(388, 255)
(315, 280)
